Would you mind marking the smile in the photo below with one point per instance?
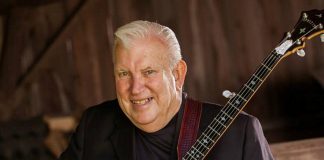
(142, 101)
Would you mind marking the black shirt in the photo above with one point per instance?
(160, 145)
(157, 145)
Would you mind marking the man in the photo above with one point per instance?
(145, 121)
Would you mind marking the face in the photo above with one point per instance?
(148, 90)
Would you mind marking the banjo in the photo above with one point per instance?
(309, 25)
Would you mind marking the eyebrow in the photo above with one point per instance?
(126, 70)
(120, 70)
(147, 68)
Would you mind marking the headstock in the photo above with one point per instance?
(309, 25)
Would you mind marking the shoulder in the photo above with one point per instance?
(244, 136)
(244, 125)
(96, 125)
(104, 108)
(101, 120)
(210, 110)
(102, 114)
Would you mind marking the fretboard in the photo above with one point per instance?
(231, 109)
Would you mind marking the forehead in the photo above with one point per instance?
(142, 51)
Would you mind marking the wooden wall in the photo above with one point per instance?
(57, 57)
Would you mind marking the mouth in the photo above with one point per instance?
(141, 101)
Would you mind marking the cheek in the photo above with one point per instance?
(169, 81)
(162, 84)
(121, 86)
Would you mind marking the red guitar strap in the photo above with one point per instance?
(189, 126)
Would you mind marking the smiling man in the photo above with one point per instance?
(149, 87)
(150, 116)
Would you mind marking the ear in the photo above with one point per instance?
(179, 73)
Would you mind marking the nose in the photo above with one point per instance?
(137, 85)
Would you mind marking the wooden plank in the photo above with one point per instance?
(2, 24)
(309, 149)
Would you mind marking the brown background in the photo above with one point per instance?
(56, 56)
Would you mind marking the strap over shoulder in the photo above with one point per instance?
(189, 126)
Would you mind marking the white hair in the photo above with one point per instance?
(143, 29)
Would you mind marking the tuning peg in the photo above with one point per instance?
(305, 15)
(228, 94)
(288, 35)
(301, 53)
(322, 37)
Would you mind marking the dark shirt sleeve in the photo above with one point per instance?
(75, 148)
(256, 146)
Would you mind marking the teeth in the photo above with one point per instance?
(143, 101)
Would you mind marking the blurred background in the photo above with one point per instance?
(55, 61)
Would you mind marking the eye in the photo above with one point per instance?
(149, 72)
(123, 74)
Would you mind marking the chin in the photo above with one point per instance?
(145, 121)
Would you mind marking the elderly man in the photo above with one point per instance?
(147, 121)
